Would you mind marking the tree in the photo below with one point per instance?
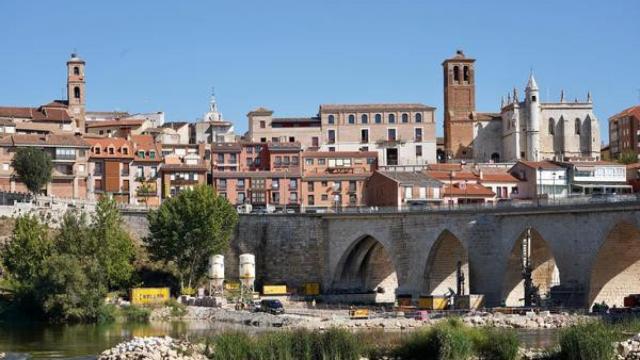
(628, 157)
(34, 167)
(190, 227)
(116, 250)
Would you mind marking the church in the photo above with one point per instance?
(524, 129)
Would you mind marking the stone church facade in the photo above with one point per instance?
(526, 129)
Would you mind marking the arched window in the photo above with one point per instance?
(76, 70)
(552, 125)
(378, 118)
(578, 123)
(465, 73)
(331, 119)
(352, 119)
(405, 118)
(364, 118)
(392, 118)
(76, 92)
(418, 117)
(456, 73)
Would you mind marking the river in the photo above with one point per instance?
(80, 342)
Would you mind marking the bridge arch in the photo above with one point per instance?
(615, 271)
(367, 268)
(441, 270)
(545, 272)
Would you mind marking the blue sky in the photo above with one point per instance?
(293, 55)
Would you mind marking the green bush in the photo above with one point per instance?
(136, 314)
(177, 309)
(445, 341)
(588, 341)
(497, 344)
(107, 313)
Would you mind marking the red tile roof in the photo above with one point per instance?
(453, 175)
(122, 148)
(498, 177)
(469, 190)
(633, 111)
(147, 144)
(339, 154)
(445, 167)
(115, 123)
(545, 165)
(49, 140)
(43, 113)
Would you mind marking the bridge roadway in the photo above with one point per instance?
(581, 254)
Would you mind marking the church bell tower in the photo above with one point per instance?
(459, 106)
(76, 92)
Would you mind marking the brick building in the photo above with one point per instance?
(404, 190)
(459, 106)
(624, 132)
(336, 179)
(145, 171)
(69, 154)
(109, 167)
(180, 173)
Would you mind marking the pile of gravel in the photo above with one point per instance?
(154, 348)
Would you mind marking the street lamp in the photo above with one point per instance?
(465, 192)
(539, 185)
(554, 186)
(336, 194)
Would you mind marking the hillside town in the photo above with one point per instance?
(345, 157)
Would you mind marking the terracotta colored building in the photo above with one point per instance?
(459, 105)
(404, 190)
(145, 171)
(69, 154)
(624, 132)
(183, 173)
(336, 179)
(110, 167)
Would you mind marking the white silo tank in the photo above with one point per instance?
(247, 269)
(216, 267)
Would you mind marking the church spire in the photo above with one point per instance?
(213, 114)
(589, 99)
(562, 95)
(532, 85)
(515, 95)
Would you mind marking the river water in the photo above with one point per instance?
(44, 341)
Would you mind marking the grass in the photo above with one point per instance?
(286, 345)
(136, 314)
(177, 309)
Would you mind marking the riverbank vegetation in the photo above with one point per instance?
(65, 275)
(188, 228)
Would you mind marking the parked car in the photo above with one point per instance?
(272, 306)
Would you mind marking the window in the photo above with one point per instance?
(76, 92)
(262, 124)
(275, 198)
(233, 158)
(65, 154)
(578, 126)
(293, 197)
(408, 192)
(353, 199)
(405, 118)
(140, 172)
(76, 70)
(310, 186)
(456, 74)
(293, 184)
(364, 119)
(222, 184)
(262, 140)
(352, 186)
(465, 73)
(241, 198)
(249, 161)
(240, 184)
(418, 134)
(295, 160)
(392, 118)
(308, 161)
(418, 117)
(275, 184)
(315, 142)
(125, 151)
(324, 197)
(257, 183)
(331, 119)
(292, 139)
(324, 183)
(391, 134)
(154, 172)
(332, 149)
(378, 118)
(551, 126)
(337, 186)
(418, 150)
(364, 136)
(278, 160)
(352, 119)
(332, 136)
(111, 151)
(310, 200)
(221, 158)
(285, 160)
(533, 98)
(275, 139)
(322, 161)
(80, 169)
(258, 198)
(98, 169)
(5, 166)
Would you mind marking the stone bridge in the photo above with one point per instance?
(581, 255)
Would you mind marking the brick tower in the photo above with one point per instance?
(76, 91)
(459, 106)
